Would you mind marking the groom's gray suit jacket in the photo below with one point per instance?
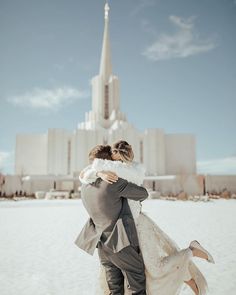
(111, 220)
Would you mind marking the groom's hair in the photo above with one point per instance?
(101, 152)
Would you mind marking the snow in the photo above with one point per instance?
(39, 257)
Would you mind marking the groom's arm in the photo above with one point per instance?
(130, 190)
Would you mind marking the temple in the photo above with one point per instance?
(65, 153)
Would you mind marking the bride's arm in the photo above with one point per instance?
(133, 172)
(89, 175)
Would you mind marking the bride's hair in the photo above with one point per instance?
(124, 150)
(101, 152)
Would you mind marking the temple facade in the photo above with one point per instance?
(61, 152)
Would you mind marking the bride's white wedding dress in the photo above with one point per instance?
(166, 266)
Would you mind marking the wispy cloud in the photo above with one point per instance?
(184, 42)
(142, 4)
(218, 166)
(60, 66)
(52, 99)
(148, 28)
(6, 161)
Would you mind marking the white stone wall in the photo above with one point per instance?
(218, 183)
(38, 185)
(114, 94)
(191, 184)
(31, 154)
(154, 151)
(65, 185)
(82, 142)
(12, 184)
(97, 97)
(58, 149)
(98, 100)
(180, 154)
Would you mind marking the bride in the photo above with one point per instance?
(166, 266)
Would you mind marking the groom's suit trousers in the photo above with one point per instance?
(126, 263)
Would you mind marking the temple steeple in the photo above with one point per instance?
(105, 63)
(105, 89)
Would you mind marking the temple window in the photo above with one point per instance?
(106, 105)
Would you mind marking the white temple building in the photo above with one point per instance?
(63, 152)
(53, 160)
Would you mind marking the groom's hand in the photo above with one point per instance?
(108, 176)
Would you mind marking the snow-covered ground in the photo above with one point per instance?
(38, 255)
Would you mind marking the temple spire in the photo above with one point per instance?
(105, 64)
(106, 9)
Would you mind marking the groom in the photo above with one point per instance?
(112, 230)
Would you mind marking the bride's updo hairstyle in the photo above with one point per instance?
(101, 152)
(123, 150)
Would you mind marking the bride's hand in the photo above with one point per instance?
(107, 176)
(81, 174)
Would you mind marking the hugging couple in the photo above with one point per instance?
(136, 256)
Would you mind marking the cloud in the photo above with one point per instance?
(52, 99)
(183, 43)
(218, 166)
(60, 66)
(148, 28)
(142, 4)
(6, 161)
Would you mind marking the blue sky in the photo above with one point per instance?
(175, 61)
